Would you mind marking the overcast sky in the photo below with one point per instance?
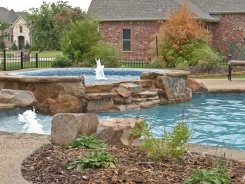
(21, 5)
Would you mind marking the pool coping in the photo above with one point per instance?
(222, 85)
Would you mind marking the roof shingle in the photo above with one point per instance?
(123, 10)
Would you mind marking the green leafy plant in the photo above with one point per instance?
(61, 62)
(14, 46)
(27, 45)
(97, 159)
(171, 145)
(219, 174)
(87, 142)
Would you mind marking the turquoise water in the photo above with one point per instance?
(215, 119)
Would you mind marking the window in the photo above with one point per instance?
(8, 36)
(21, 29)
(12, 38)
(126, 39)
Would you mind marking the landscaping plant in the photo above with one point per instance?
(183, 41)
(97, 159)
(82, 43)
(172, 145)
(87, 142)
(61, 62)
(219, 174)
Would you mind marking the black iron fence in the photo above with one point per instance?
(135, 64)
(23, 60)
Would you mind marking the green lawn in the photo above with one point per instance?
(48, 54)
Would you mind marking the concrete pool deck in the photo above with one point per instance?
(223, 85)
(14, 148)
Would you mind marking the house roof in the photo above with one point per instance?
(221, 6)
(123, 10)
(10, 16)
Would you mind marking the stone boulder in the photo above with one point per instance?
(118, 131)
(18, 98)
(196, 86)
(67, 126)
(64, 104)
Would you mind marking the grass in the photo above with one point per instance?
(49, 54)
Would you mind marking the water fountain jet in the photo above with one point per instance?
(31, 124)
(99, 70)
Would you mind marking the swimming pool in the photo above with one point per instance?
(216, 119)
(111, 74)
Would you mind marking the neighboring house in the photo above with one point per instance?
(131, 24)
(18, 31)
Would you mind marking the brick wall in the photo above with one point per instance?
(142, 36)
(230, 28)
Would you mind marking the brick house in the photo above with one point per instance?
(18, 31)
(130, 25)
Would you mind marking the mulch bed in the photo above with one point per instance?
(48, 165)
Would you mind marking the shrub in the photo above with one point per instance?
(87, 142)
(14, 46)
(61, 62)
(219, 174)
(82, 44)
(109, 55)
(156, 64)
(171, 145)
(27, 46)
(97, 159)
(183, 41)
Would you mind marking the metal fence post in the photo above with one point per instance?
(36, 59)
(4, 60)
(21, 60)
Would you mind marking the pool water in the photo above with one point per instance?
(9, 121)
(214, 119)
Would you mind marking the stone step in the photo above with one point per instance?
(99, 88)
(139, 100)
(147, 94)
(99, 96)
(6, 106)
(133, 88)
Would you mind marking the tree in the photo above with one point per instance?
(3, 26)
(79, 39)
(49, 22)
(82, 43)
(183, 41)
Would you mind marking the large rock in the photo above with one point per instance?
(65, 103)
(118, 131)
(133, 88)
(196, 86)
(66, 127)
(122, 91)
(18, 98)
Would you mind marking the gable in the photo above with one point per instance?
(8, 16)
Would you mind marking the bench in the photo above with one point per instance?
(232, 63)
